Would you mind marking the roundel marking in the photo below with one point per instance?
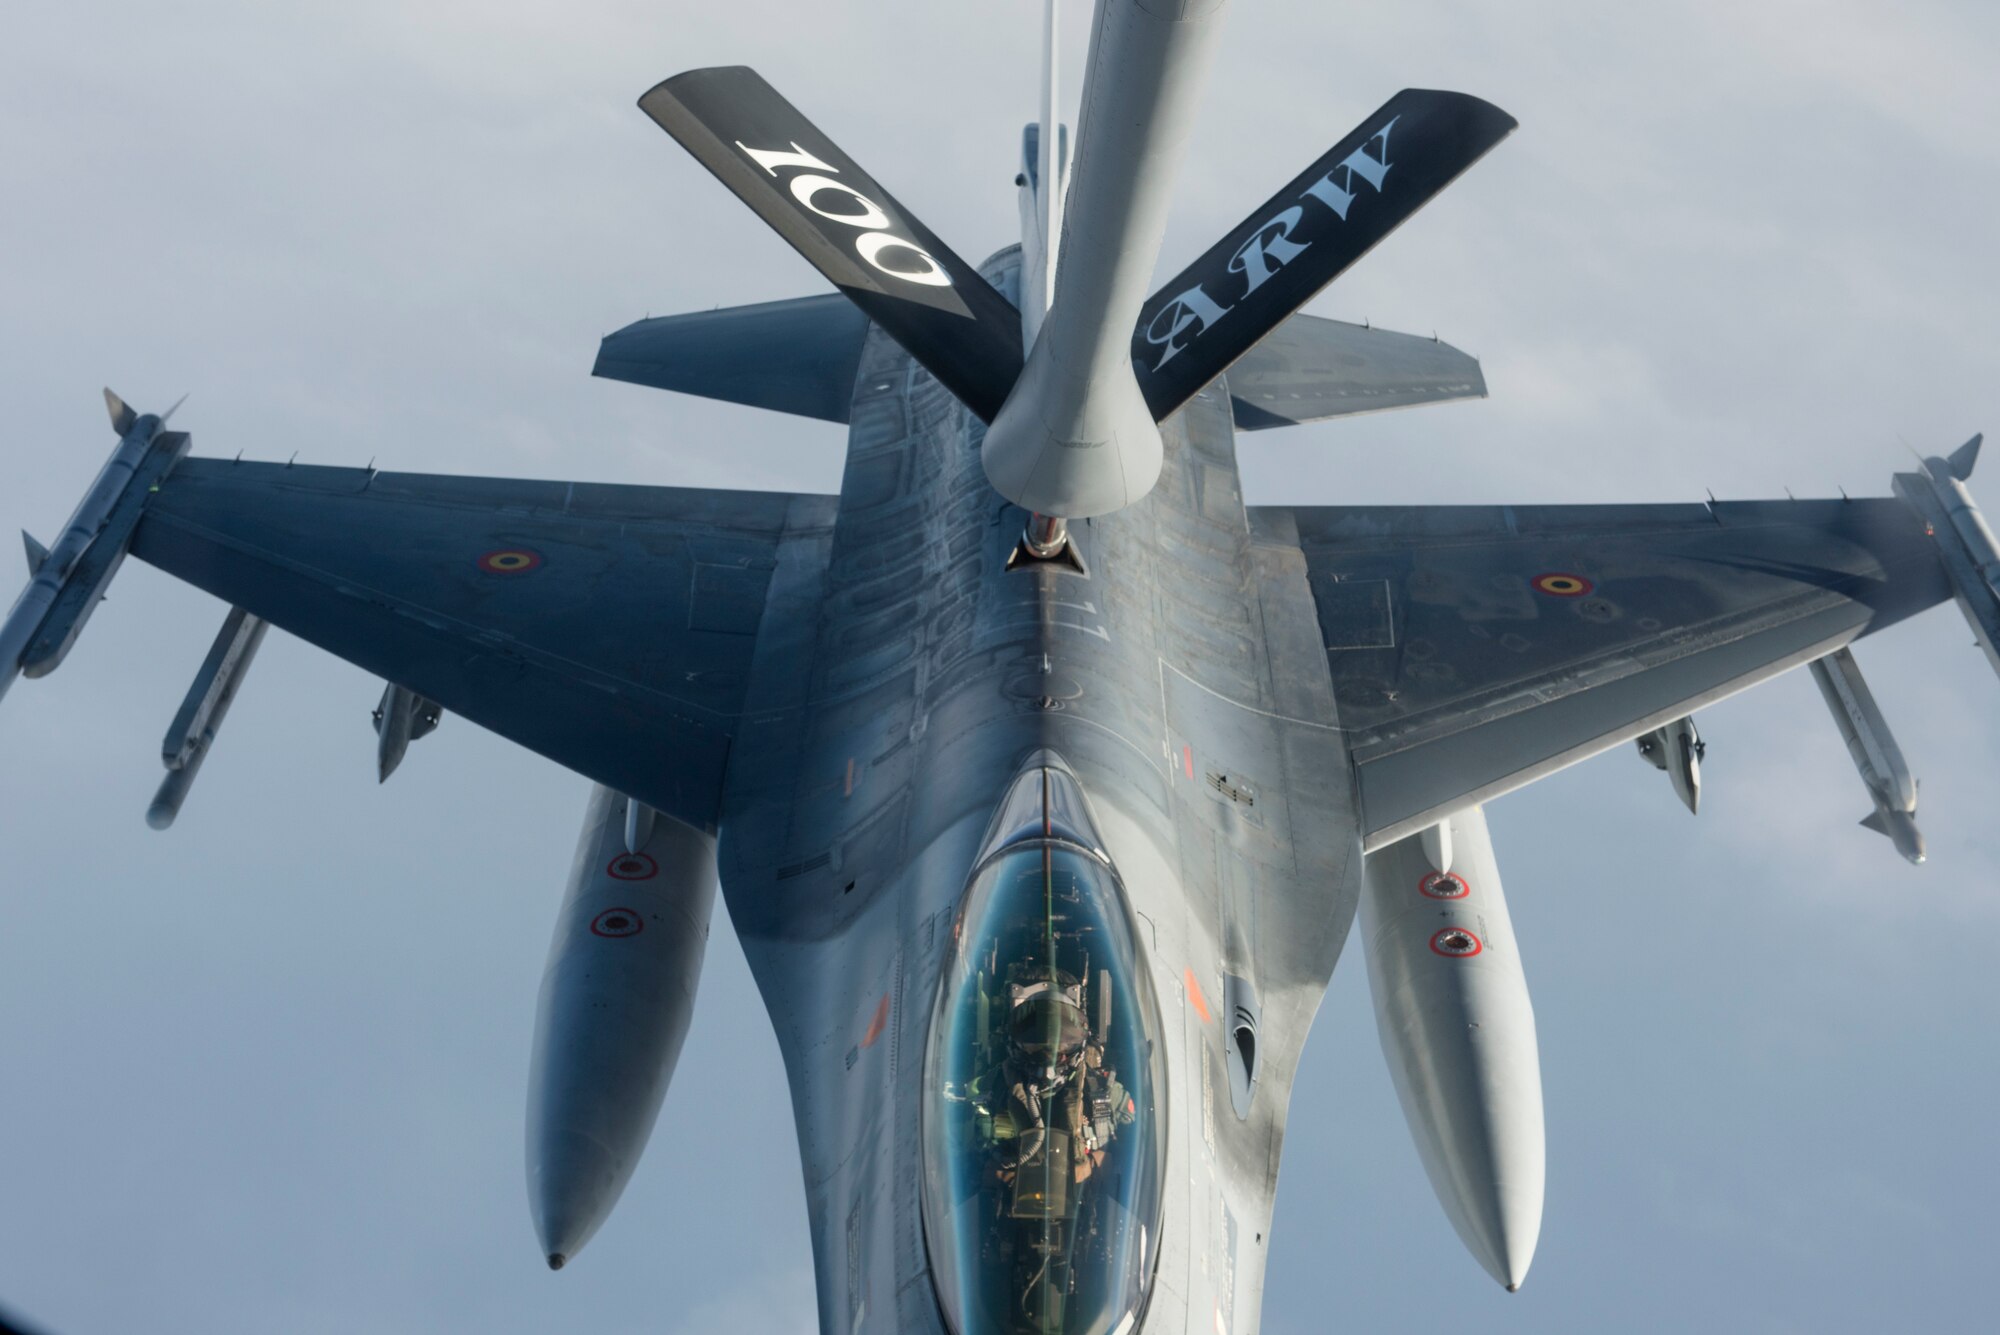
(1444, 885)
(510, 561)
(616, 923)
(632, 867)
(1456, 943)
(1561, 584)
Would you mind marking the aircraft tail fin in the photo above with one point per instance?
(1305, 236)
(1873, 821)
(849, 228)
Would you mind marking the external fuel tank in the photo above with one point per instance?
(1451, 1005)
(617, 996)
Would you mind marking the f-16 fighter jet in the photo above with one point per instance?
(1042, 777)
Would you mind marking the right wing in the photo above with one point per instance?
(609, 628)
(1475, 649)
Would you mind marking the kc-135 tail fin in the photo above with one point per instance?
(833, 213)
(1305, 236)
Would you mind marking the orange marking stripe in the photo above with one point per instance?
(1195, 996)
(878, 1024)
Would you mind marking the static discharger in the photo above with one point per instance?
(208, 699)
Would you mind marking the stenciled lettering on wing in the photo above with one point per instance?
(873, 235)
(1276, 242)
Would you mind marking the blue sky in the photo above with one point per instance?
(267, 1071)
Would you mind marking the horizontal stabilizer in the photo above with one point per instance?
(850, 229)
(1305, 236)
(1873, 821)
(38, 555)
(796, 356)
(1309, 369)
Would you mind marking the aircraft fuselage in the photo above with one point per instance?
(1180, 676)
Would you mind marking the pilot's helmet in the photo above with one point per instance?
(1047, 1017)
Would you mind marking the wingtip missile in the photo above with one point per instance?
(69, 579)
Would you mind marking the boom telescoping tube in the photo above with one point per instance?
(1075, 437)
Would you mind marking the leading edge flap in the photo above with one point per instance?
(848, 227)
(1305, 236)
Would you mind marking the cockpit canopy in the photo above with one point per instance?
(1043, 1144)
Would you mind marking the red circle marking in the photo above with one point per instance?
(510, 561)
(632, 867)
(1456, 943)
(616, 923)
(1443, 885)
(1561, 584)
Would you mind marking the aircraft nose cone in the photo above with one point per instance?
(556, 1260)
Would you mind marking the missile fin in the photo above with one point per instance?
(123, 419)
(38, 555)
(1964, 457)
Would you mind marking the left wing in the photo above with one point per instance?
(1475, 649)
(610, 628)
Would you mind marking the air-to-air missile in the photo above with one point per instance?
(1876, 755)
(401, 717)
(67, 580)
(208, 699)
(616, 999)
(1678, 749)
(1451, 1005)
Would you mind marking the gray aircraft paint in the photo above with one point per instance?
(1182, 683)
(1131, 872)
(617, 996)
